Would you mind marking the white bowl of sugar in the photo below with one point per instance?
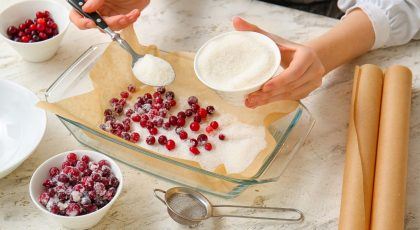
(237, 63)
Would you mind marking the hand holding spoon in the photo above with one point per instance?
(148, 69)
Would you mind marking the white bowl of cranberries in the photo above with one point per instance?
(76, 188)
(34, 28)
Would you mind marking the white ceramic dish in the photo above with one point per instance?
(73, 222)
(22, 125)
(22, 10)
(237, 97)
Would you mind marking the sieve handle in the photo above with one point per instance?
(297, 219)
(155, 192)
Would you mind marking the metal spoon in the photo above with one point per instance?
(101, 24)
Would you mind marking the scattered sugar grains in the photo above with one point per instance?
(153, 71)
(243, 143)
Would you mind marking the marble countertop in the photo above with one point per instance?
(313, 179)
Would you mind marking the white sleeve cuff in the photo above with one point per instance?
(379, 21)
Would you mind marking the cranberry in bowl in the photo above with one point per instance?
(34, 28)
(76, 188)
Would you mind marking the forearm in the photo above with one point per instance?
(350, 38)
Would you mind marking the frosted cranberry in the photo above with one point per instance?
(144, 117)
(62, 196)
(106, 171)
(195, 107)
(44, 198)
(135, 137)
(110, 194)
(167, 105)
(85, 201)
(131, 88)
(79, 188)
(178, 130)
(202, 112)
(122, 102)
(88, 183)
(161, 90)
(81, 165)
(103, 162)
(74, 172)
(150, 140)
(109, 118)
(72, 158)
(116, 132)
(214, 124)
(85, 159)
(127, 127)
(73, 209)
(209, 129)
(162, 113)
(173, 120)
(126, 136)
(67, 169)
(99, 188)
(92, 195)
(169, 95)
(170, 145)
(48, 183)
(113, 101)
(180, 122)
(194, 150)
(183, 135)
(107, 112)
(129, 112)
(189, 112)
(167, 125)
(87, 172)
(157, 106)
(192, 100)
(197, 118)
(54, 171)
(39, 14)
(222, 137)
(159, 100)
(91, 208)
(96, 177)
(156, 95)
(202, 138)
(195, 126)
(63, 178)
(208, 146)
(54, 209)
(118, 109)
(162, 140)
(153, 131)
(193, 142)
(11, 31)
(124, 94)
(147, 96)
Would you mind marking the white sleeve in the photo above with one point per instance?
(395, 22)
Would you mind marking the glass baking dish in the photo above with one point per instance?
(289, 133)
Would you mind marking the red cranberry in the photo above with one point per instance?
(25, 39)
(202, 112)
(180, 122)
(181, 114)
(193, 142)
(11, 31)
(72, 158)
(118, 109)
(156, 95)
(195, 107)
(161, 90)
(208, 146)
(91, 208)
(167, 125)
(197, 118)
(150, 140)
(222, 137)
(147, 96)
(189, 112)
(136, 118)
(106, 171)
(149, 124)
(48, 183)
(173, 120)
(129, 112)
(131, 88)
(135, 137)
(173, 103)
(194, 150)
(124, 94)
(159, 100)
(114, 182)
(162, 113)
(96, 177)
(63, 178)
(167, 105)
(103, 162)
(73, 209)
(170, 145)
(22, 27)
(40, 27)
(54, 209)
(214, 124)
(192, 100)
(39, 14)
(209, 129)
(107, 112)
(54, 171)
(144, 117)
(113, 101)
(169, 95)
(195, 126)
(143, 123)
(162, 140)
(47, 14)
(158, 122)
(81, 165)
(85, 159)
(183, 135)
(153, 131)
(42, 36)
(202, 138)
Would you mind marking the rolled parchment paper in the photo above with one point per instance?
(361, 148)
(391, 163)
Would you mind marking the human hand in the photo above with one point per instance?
(303, 70)
(118, 14)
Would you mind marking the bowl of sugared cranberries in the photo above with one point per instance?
(76, 188)
(34, 28)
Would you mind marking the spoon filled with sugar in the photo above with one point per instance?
(148, 69)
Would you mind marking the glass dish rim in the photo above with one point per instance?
(251, 180)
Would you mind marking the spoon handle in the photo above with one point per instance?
(78, 4)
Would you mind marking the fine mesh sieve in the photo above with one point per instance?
(188, 207)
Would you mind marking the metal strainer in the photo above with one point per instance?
(188, 207)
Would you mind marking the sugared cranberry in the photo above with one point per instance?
(192, 100)
(183, 135)
(161, 90)
(91, 208)
(194, 150)
(114, 182)
(44, 198)
(48, 183)
(147, 96)
(144, 117)
(131, 88)
(135, 137)
(208, 146)
(195, 126)
(153, 131)
(222, 137)
(162, 113)
(169, 95)
(202, 138)
(81, 165)
(54, 171)
(118, 109)
(126, 136)
(150, 140)
(214, 124)
(193, 142)
(129, 112)
(103, 162)
(63, 178)
(124, 94)
(54, 209)
(167, 105)
(162, 140)
(173, 120)
(170, 145)
(73, 209)
(107, 112)
(189, 112)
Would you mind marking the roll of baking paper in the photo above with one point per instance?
(361, 148)
(391, 164)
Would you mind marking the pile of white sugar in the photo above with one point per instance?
(153, 71)
(243, 143)
(237, 60)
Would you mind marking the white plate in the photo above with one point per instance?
(22, 125)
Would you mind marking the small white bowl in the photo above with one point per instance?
(73, 222)
(17, 13)
(237, 97)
